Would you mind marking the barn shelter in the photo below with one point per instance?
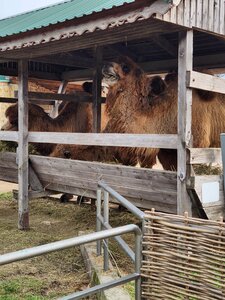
(69, 42)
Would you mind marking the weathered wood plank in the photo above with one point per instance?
(199, 13)
(205, 156)
(34, 181)
(193, 13)
(138, 184)
(168, 141)
(153, 177)
(184, 118)
(211, 20)
(216, 24)
(97, 90)
(205, 16)
(15, 100)
(61, 90)
(78, 96)
(187, 15)
(23, 210)
(9, 136)
(205, 82)
(142, 203)
(180, 13)
(222, 17)
(126, 140)
(8, 174)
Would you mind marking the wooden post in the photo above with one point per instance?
(62, 89)
(23, 211)
(97, 91)
(185, 63)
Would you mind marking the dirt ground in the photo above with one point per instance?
(59, 273)
(6, 187)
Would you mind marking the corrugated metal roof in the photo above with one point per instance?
(55, 14)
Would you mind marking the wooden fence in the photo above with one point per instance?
(145, 188)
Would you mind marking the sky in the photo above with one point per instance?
(14, 7)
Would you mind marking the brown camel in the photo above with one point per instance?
(149, 105)
(139, 104)
(74, 117)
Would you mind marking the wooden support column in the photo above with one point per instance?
(97, 85)
(62, 89)
(185, 63)
(23, 210)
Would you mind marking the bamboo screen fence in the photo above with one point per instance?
(183, 258)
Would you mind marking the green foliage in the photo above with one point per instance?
(6, 196)
(11, 147)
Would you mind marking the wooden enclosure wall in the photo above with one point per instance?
(145, 188)
(205, 14)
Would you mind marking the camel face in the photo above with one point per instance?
(123, 69)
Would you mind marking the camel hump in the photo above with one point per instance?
(204, 95)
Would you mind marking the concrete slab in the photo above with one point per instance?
(94, 265)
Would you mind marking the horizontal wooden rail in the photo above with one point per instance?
(35, 101)
(205, 156)
(77, 96)
(9, 136)
(205, 82)
(168, 141)
(106, 139)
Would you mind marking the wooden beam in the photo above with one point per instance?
(106, 139)
(205, 156)
(78, 75)
(23, 210)
(163, 43)
(14, 100)
(31, 74)
(9, 136)
(118, 34)
(122, 50)
(205, 82)
(96, 91)
(185, 58)
(67, 59)
(167, 141)
(76, 97)
(62, 90)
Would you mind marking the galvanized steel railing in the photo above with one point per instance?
(103, 221)
(80, 240)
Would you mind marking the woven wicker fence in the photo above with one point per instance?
(183, 258)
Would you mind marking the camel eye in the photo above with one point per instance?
(126, 69)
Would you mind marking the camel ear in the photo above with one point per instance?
(12, 113)
(87, 87)
(157, 86)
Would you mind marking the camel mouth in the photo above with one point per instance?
(9, 127)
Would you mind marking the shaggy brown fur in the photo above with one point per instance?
(138, 104)
(138, 109)
(131, 83)
(74, 117)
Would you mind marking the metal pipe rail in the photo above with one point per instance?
(103, 221)
(80, 240)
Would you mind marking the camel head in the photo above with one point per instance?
(123, 69)
(11, 114)
(36, 115)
